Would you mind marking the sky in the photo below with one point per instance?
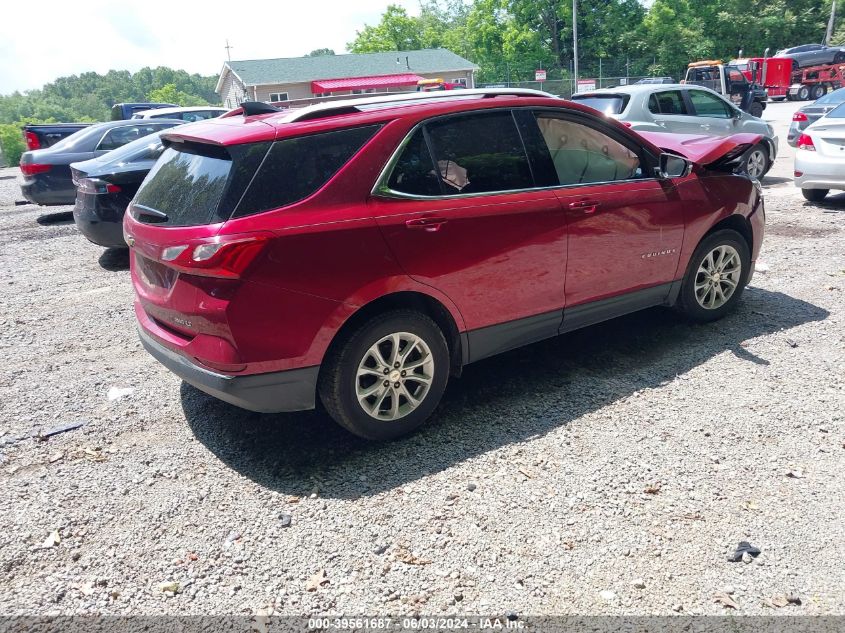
(61, 37)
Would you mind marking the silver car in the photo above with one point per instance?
(812, 55)
(683, 109)
(811, 113)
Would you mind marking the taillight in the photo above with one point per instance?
(797, 173)
(96, 186)
(220, 257)
(32, 140)
(805, 142)
(30, 169)
(799, 116)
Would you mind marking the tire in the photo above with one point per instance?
(803, 94)
(839, 58)
(694, 304)
(756, 109)
(815, 195)
(756, 162)
(817, 92)
(356, 365)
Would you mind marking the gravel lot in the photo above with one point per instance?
(609, 471)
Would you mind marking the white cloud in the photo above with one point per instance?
(62, 39)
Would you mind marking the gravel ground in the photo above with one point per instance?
(609, 471)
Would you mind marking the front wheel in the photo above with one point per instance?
(815, 195)
(387, 377)
(756, 162)
(756, 109)
(716, 276)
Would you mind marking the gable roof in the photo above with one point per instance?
(257, 72)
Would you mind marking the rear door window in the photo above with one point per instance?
(479, 153)
(297, 167)
(667, 102)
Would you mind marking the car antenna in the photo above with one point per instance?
(257, 107)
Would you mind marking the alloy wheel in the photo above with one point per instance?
(394, 376)
(756, 164)
(718, 277)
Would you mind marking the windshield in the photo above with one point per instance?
(837, 96)
(608, 104)
(77, 139)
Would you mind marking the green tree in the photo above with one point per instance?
(397, 31)
(320, 52)
(169, 93)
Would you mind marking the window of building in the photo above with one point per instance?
(278, 96)
(364, 91)
(460, 80)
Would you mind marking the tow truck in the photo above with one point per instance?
(431, 85)
(729, 81)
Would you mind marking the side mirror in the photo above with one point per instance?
(672, 166)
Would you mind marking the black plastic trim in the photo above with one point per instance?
(495, 339)
(276, 392)
(594, 312)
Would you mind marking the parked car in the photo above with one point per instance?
(105, 185)
(811, 113)
(683, 109)
(186, 114)
(820, 159)
(46, 172)
(361, 252)
(42, 135)
(655, 80)
(123, 111)
(812, 55)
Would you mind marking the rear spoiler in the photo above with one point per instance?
(720, 153)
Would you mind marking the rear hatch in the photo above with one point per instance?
(186, 267)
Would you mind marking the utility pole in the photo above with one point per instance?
(228, 50)
(829, 32)
(575, 40)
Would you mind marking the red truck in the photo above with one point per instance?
(777, 76)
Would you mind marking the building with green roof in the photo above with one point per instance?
(292, 78)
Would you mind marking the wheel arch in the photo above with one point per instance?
(735, 222)
(409, 299)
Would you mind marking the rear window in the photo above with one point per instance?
(609, 104)
(194, 183)
(837, 113)
(297, 167)
(837, 96)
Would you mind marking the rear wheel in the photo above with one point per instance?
(815, 195)
(817, 92)
(803, 94)
(387, 377)
(756, 162)
(839, 58)
(716, 276)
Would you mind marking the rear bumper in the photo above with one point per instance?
(277, 392)
(101, 228)
(38, 192)
(819, 171)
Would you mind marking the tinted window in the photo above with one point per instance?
(146, 148)
(297, 167)
(120, 136)
(609, 104)
(583, 154)
(669, 102)
(709, 105)
(479, 153)
(414, 172)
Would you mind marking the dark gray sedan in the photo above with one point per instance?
(813, 55)
(46, 172)
(811, 113)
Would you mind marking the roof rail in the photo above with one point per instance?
(348, 106)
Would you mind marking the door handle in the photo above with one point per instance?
(705, 126)
(587, 206)
(429, 224)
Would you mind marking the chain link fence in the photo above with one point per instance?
(566, 87)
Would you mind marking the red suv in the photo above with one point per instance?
(361, 253)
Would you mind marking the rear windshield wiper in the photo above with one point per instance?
(150, 212)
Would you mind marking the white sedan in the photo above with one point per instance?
(820, 159)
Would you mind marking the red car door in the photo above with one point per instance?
(626, 227)
(460, 212)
